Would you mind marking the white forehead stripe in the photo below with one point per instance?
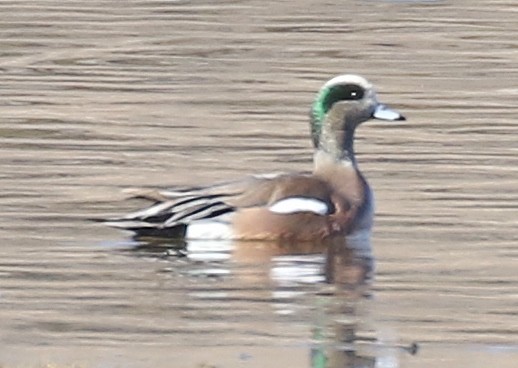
(348, 79)
(299, 204)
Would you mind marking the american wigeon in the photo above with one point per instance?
(333, 200)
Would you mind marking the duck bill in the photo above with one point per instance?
(383, 112)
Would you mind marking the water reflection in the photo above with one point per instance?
(331, 261)
(279, 273)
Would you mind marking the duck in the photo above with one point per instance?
(334, 200)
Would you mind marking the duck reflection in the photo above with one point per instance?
(342, 276)
(335, 262)
(347, 274)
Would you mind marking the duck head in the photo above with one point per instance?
(342, 104)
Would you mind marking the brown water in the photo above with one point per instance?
(97, 96)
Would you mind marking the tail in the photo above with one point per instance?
(169, 219)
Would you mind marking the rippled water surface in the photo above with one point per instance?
(98, 96)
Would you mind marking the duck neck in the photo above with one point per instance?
(338, 144)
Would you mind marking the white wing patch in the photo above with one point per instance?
(299, 204)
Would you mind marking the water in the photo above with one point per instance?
(97, 97)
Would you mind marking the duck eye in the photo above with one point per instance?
(342, 92)
(352, 92)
